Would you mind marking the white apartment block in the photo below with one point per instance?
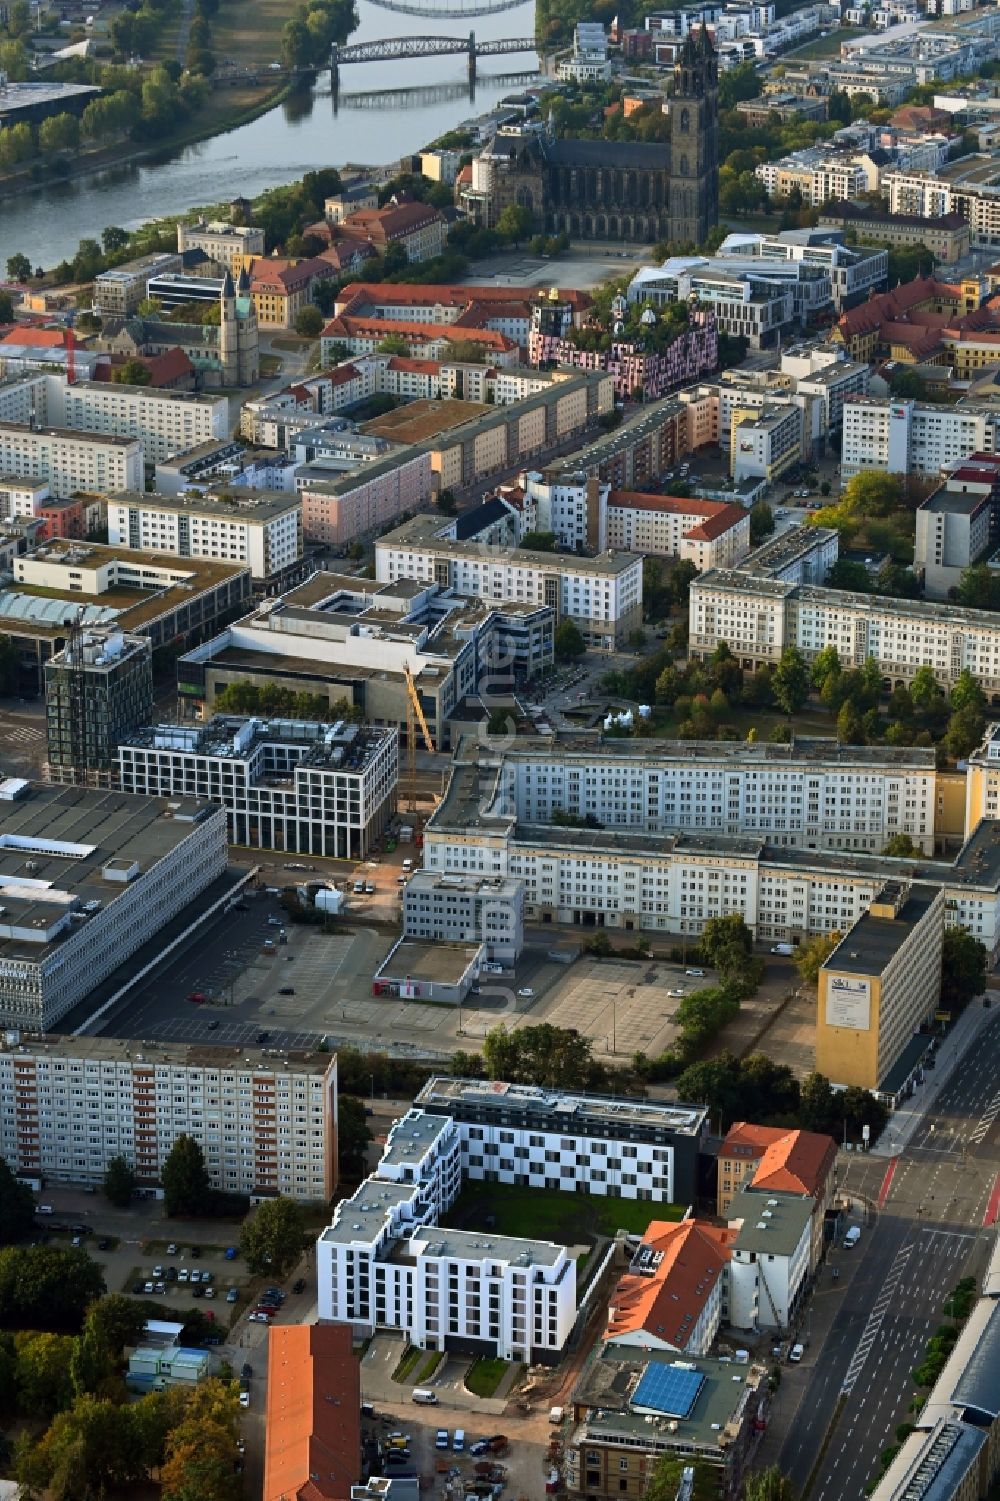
(627, 877)
(265, 1121)
(288, 785)
(813, 794)
(227, 244)
(819, 175)
(264, 532)
(21, 497)
(466, 909)
(164, 422)
(759, 617)
(766, 442)
(769, 1260)
(931, 196)
(385, 1263)
(70, 461)
(601, 595)
(798, 555)
(584, 512)
(905, 437)
(74, 909)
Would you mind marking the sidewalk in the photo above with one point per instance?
(904, 1121)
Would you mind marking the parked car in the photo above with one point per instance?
(442, 1439)
(244, 1399)
(796, 1353)
(232, 1296)
(183, 1274)
(526, 993)
(299, 1286)
(172, 1248)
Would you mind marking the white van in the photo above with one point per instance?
(458, 1442)
(853, 1236)
(43, 1208)
(422, 1394)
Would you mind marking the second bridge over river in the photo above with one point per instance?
(390, 48)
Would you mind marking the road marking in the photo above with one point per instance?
(878, 1313)
(883, 1192)
(986, 1120)
(993, 1207)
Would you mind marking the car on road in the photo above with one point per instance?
(853, 1236)
(171, 1274)
(209, 1292)
(244, 1399)
(526, 992)
(196, 1275)
(442, 1439)
(262, 1037)
(232, 1296)
(369, 888)
(208, 1276)
(698, 974)
(198, 1292)
(77, 1240)
(299, 1286)
(247, 1370)
(212, 1025)
(172, 1248)
(796, 1353)
(197, 997)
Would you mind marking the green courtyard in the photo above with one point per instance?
(547, 1214)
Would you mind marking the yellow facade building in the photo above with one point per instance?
(882, 981)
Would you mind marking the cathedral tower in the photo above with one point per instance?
(694, 141)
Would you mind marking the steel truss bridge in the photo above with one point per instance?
(396, 48)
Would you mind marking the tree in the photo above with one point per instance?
(768, 1485)
(681, 578)
(272, 1240)
(569, 643)
(44, 1385)
(964, 732)
(850, 727)
(901, 847)
(114, 1322)
(309, 322)
(132, 373)
(817, 1108)
(761, 521)
(6, 308)
(59, 133)
(18, 268)
(514, 222)
(185, 1179)
(925, 689)
(790, 683)
(119, 1182)
(353, 1135)
(826, 663)
(551, 1056)
(393, 344)
(811, 956)
(47, 1287)
(966, 693)
(539, 541)
(17, 1208)
(963, 969)
(113, 238)
(726, 943)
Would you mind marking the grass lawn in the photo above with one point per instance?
(407, 1364)
(823, 46)
(484, 1376)
(547, 1214)
(811, 721)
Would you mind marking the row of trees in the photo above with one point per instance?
(269, 699)
(313, 28)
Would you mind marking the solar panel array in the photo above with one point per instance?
(670, 1389)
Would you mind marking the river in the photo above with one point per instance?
(303, 133)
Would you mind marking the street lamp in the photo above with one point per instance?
(372, 1077)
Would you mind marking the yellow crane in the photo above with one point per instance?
(414, 714)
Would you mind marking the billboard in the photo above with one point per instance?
(848, 1002)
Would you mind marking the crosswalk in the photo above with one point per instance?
(986, 1121)
(878, 1313)
(22, 734)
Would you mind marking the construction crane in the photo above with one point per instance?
(414, 713)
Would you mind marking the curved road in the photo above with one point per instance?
(935, 1196)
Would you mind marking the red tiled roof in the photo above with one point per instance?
(272, 274)
(346, 327)
(37, 338)
(165, 368)
(414, 367)
(667, 1305)
(342, 375)
(788, 1161)
(432, 294)
(717, 515)
(312, 1432)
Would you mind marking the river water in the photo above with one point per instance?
(303, 133)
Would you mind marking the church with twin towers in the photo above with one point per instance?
(615, 190)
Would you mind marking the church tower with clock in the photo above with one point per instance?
(693, 202)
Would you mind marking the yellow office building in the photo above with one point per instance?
(880, 983)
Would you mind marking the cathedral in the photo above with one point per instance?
(615, 190)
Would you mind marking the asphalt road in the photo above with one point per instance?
(922, 1240)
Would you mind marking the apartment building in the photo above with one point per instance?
(628, 876)
(746, 299)
(798, 555)
(71, 461)
(285, 784)
(817, 172)
(947, 237)
(982, 781)
(767, 1159)
(673, 1294)
(164, 422)
(466, 909)
(340, 510)
(265, 1121)
(420, 228)
(385, 1262)
(76, 908)
(280, 288)
(312, 1428)
(969, 186)
(541, 1138)
(812, 794)
(262, 531)
(630, 1408)
(952, 533)
(765, 443)
(118, 292)
(228, 245)
(880, 985)
(903, 436)
(770, 1259)
(601, 595)
(97, 690)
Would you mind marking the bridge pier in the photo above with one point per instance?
(335, 70)
(472, 57)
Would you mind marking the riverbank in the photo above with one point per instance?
(126, 154)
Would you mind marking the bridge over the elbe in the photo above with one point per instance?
(393, 48)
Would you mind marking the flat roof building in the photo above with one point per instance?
(879, 986)
(262, 531)
(487, 910)
(86, 878)
(97, 690)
